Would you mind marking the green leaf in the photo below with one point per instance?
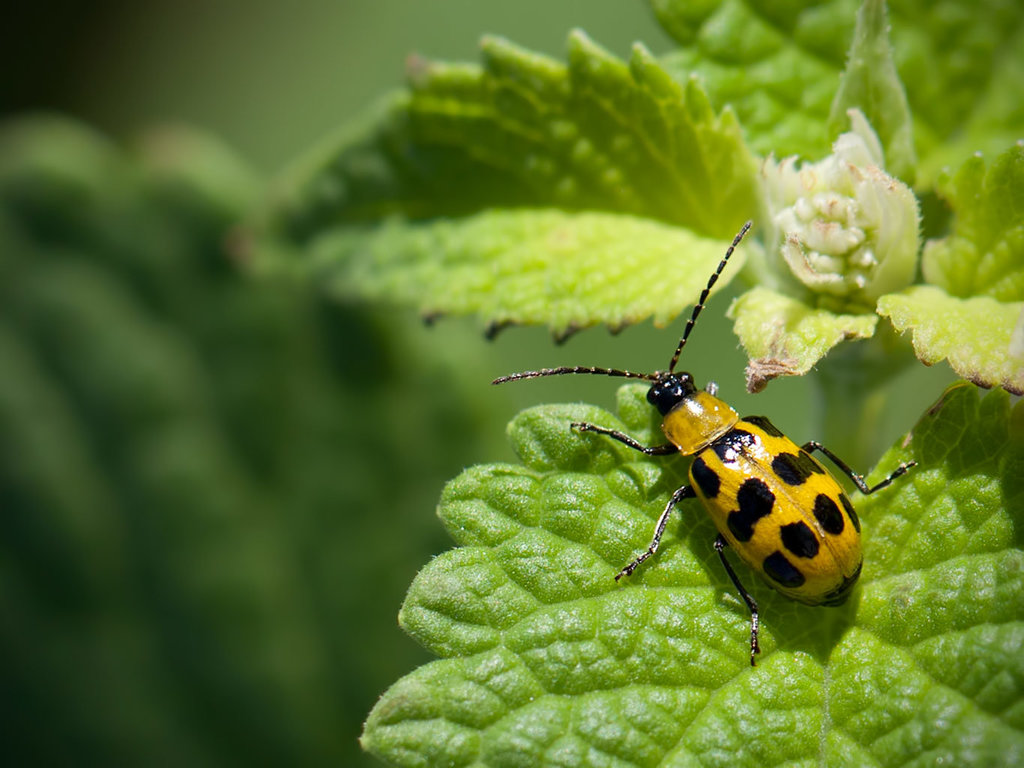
(472, 155)
(974, 335)
(943, 596)
(196, 176)
(988, 91)
(62, 182)
(134, 526)
(783, 336)
(984, 255)
(565, 270)
(523, 129)
(871, 84)
(547, 661)
(778, 66)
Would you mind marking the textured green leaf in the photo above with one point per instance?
(984, 254)
(785, 337)
(549, 267)
(547, 661)
(523, 129)
(871, 84)
(471, 158)
(778, 65)
(975, 335)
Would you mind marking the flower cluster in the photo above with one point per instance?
(847, 229)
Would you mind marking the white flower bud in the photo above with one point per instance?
(845, 227)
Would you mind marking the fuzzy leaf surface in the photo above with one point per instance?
(785, 337)
(974, 335)
(984, 254)
(563, 270)
(472, 156)
(547, 661)
(871, 84)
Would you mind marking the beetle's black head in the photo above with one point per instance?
(669, 389)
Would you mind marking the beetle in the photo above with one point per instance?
(773, 503)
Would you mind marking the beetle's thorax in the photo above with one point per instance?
(693, 418)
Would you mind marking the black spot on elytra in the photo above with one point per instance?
(705, 478)
(811, 464)
(850, 511)
(765, 425)
(780, 570)
(828, 515)
(839, 595)
(799, 539)
(755, 500)
(792, 468)
(732, 444)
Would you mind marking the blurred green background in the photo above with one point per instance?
(214, 490)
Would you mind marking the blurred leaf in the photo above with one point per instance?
(973, 334)
(993, 115)
(549, 267)
(87, 303)
(984, 254)
(186, 457)
(548, 661)
(778, 66)
(783, 336)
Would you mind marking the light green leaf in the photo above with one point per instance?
(547, 661)
(974, 335)
(467, 146)
(984, 255)
(778, 66)
(871, 84)
(785, 337)
(565, 270)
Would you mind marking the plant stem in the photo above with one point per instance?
(851, 395)
(849, 414)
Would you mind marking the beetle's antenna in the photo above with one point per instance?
(573, 369)
(704, 295)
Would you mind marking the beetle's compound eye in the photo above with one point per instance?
(669, 390)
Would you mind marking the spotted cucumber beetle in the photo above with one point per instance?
(773, 504)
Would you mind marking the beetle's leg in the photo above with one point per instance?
(686, 492)
(858, 479)
(711, 388)
(622, 437)
(720, 545)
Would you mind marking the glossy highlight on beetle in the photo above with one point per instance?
(772, 502)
